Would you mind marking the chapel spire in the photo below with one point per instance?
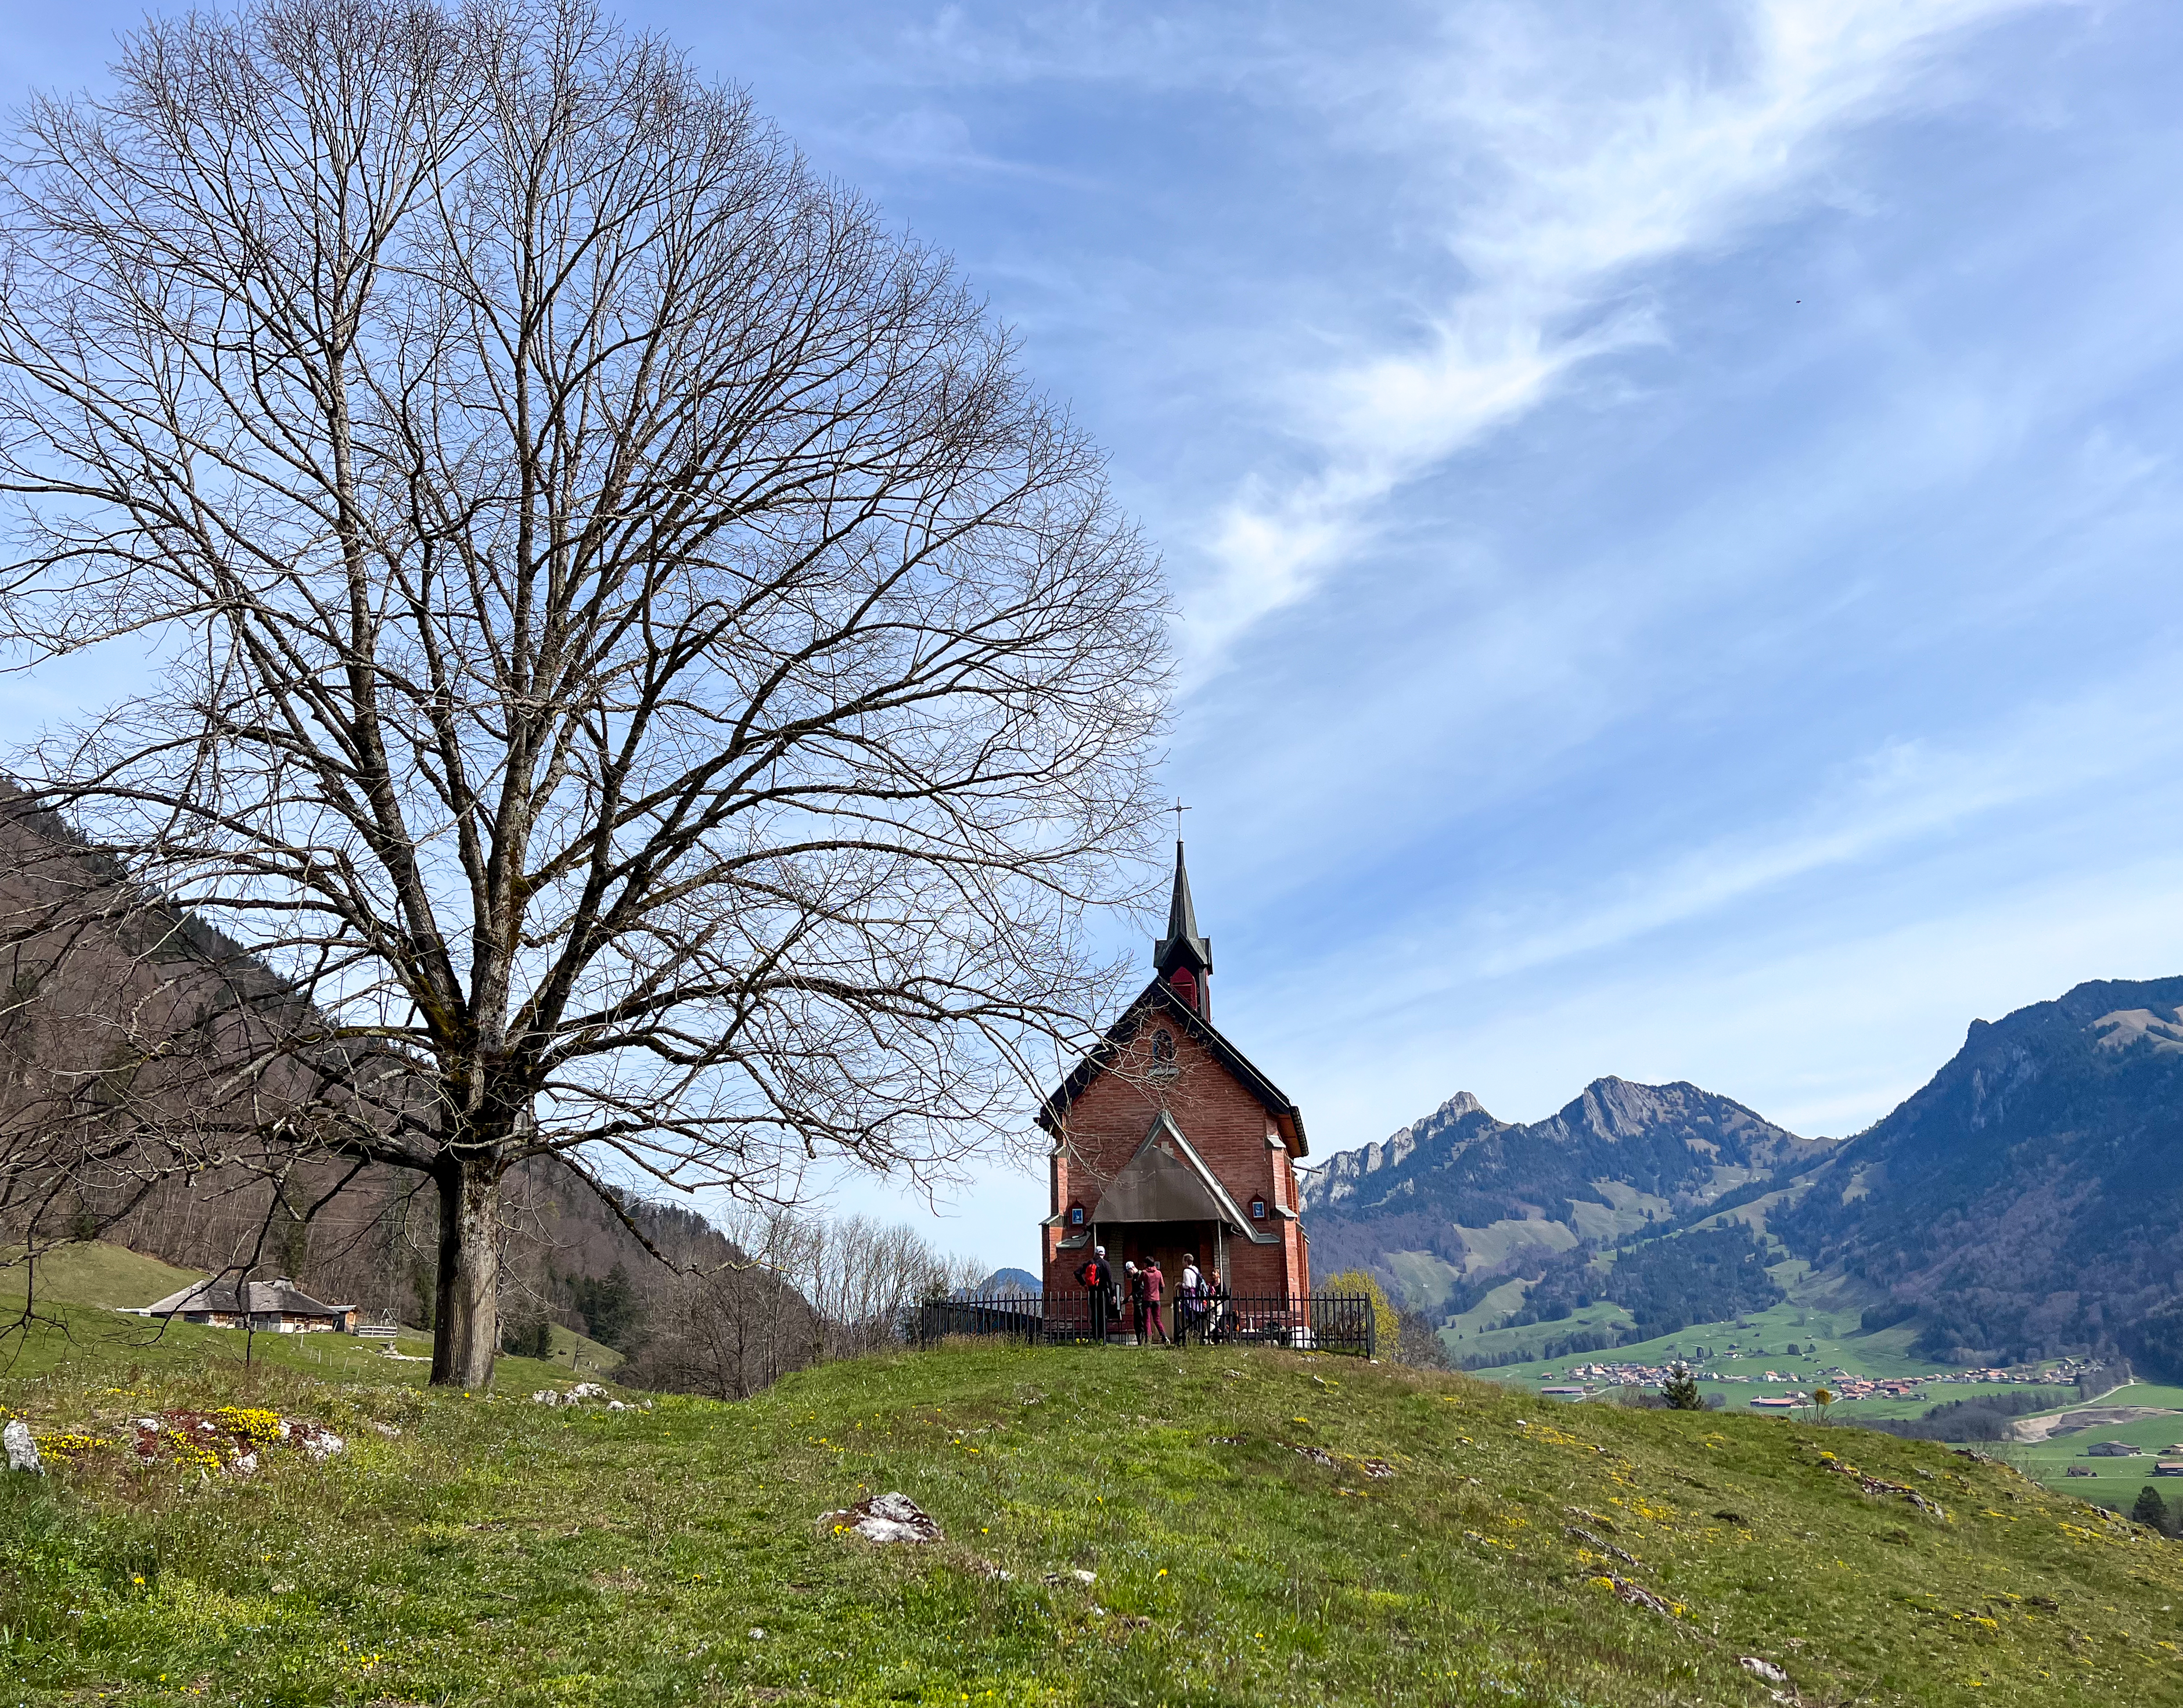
(1183, 957)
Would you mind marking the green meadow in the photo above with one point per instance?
(78, 1296)
(1831, 1330)
(1258, 1527)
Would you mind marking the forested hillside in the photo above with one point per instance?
(2029, 1199)
(1665, 1284)
(124, 1025)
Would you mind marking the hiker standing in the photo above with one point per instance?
(1133, 1280)
(1154, 1284)
(1189, 1292)
(1216, 1304)
(1097, 1281)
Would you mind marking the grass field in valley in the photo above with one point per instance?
(2112, 1482)
(1242, 1547)
(1828, 1338)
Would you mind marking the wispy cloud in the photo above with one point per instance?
(1564, 171)
(1902, 793)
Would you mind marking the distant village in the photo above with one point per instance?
(1581, 1381)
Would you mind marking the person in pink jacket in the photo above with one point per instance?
(1155, 1285)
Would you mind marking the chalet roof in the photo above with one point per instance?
(245, 1298)
(1159, 1000)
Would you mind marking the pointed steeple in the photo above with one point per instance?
(1183, 957)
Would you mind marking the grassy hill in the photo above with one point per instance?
(81, 1285)
(1260, 1526)
(77, 1327)
(94, 1272)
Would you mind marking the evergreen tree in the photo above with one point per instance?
(2151, 1509)
(612, 1311)
(1681, 1390)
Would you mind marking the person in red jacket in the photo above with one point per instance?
(1097, 1281)
(1155, 1285)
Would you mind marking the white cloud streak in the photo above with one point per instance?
(2097, 747)
(1567, 170)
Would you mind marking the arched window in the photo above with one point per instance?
(1258, 1210)
(1163, 1045)
(1076, 1215)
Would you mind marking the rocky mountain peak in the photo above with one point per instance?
(1341, 1175)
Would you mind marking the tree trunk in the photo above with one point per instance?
(466, 1324)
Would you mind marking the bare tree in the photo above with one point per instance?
(863, 1276)
(637, 664)
(728, 1330)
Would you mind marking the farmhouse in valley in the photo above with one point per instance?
(270, 1307)
(1168, 1141)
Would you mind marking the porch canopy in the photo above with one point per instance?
(1167, 1181)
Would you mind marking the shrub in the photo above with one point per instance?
(1418, 1343)
(1387, 1323)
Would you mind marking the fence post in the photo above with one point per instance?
(1371, 1328)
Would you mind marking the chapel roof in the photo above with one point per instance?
(1159, 1000)
(1168, 1181)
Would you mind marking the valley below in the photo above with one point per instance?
(1995, 1254)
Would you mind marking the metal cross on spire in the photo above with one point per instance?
(1177, 809)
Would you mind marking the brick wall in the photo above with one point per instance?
(1225, 1124)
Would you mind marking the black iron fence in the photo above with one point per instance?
(1010, 1316)
(1303, 1322)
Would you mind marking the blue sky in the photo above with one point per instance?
(1674, 508)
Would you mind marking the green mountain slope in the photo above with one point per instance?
(1459, 1202)
(1252, 1527)
(2029, 1199)
(93, 1271)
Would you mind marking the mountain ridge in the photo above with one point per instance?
(1460, 1198)
(2025, 1202)
(2030, 1195)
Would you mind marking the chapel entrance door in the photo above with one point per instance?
(1170, 1242)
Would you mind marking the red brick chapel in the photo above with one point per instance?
(1166, 1140)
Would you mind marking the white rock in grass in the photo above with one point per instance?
(1763, 1669)
(22, 1450)
(889, 1517)
(322, 1444)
